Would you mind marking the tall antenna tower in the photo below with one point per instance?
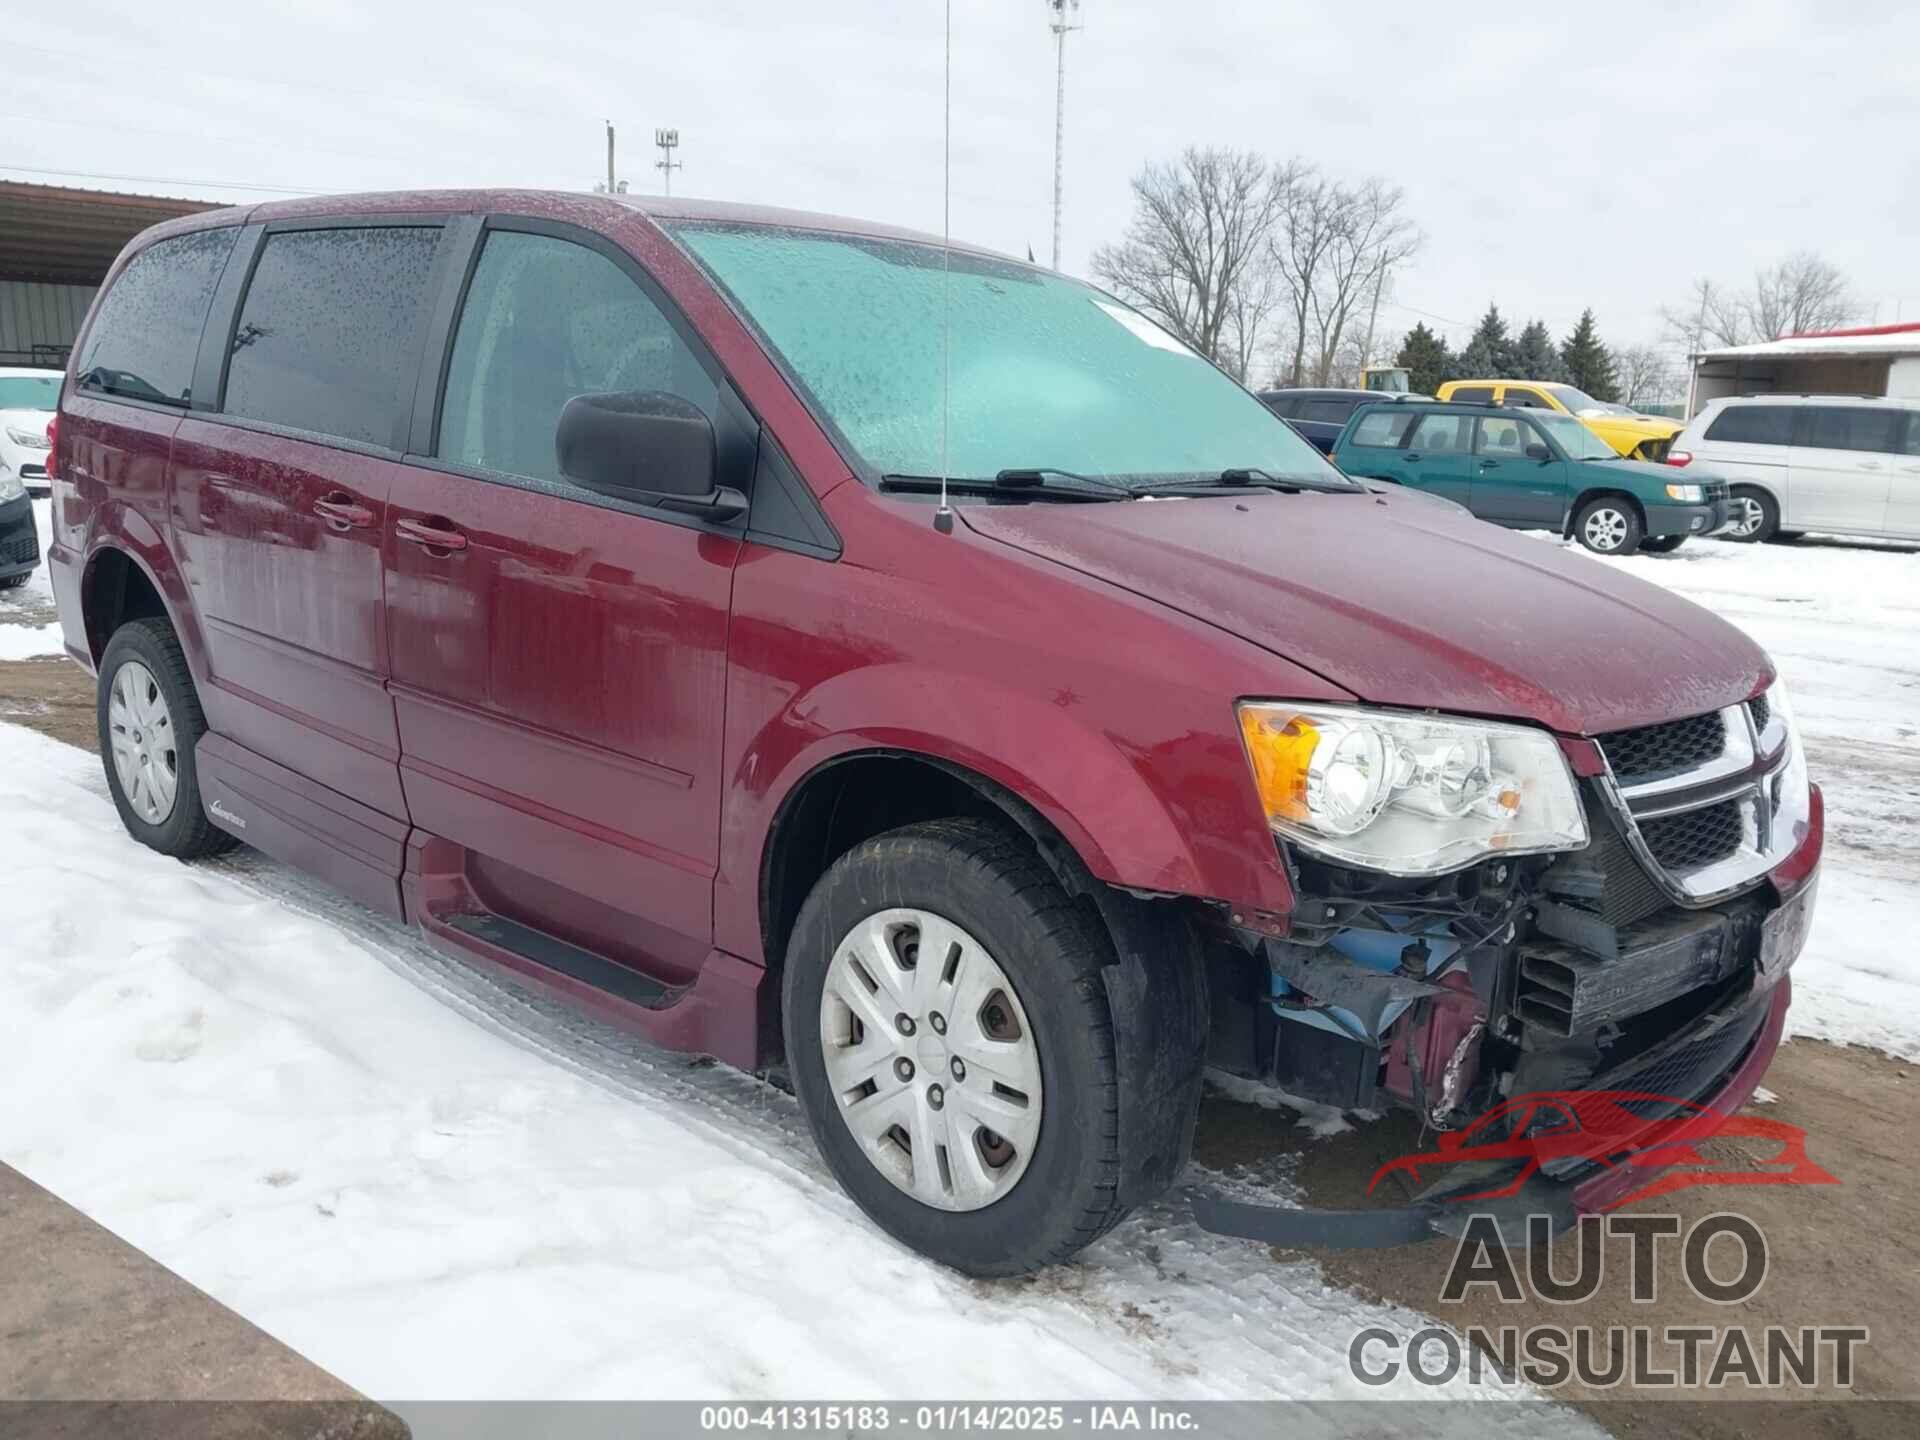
(1064, 16)
(668, 141)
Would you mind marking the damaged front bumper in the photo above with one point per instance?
(1714, 1064)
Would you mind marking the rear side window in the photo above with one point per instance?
(327, 334)
(546, 320)
(1383, 429)
(1753, 425)
(1473, 395)
(1329, 412)
(147, 331)
(1443, 434)
(1912, 446)
(1854, 427)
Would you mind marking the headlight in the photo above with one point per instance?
(1686, 494)
(27, 439)
(1409, 794)
(12, 487)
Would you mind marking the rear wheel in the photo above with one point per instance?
(1663, 544)
(1608, 525)
(948, 1034)
(1754, 514)
(150, 720)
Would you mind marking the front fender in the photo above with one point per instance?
(1137, 816)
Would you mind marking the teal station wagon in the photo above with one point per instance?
(1531, 470)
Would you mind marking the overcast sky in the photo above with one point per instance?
(1604, 158)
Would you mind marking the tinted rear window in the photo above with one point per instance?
(1329, 412)
(1281, 405)
(1754, 425)
(1854, 427)
(147, 331)
(1473, 395)
(1383, 429)
(328, 331)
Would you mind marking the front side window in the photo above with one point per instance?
(1037, 371)
(1527, 399)
(327, 334)
(1577, 402)
(546, 320)
(147, 331)
(1753, 425)
(1854, 427)
(1913, 432)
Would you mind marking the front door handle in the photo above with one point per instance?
(1411, 455)
(1488, 464)
(343, 512)
(430, 534)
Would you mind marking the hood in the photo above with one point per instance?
(34, 421)
(1647, 427)
(1405, 603)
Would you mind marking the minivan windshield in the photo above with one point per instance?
(1579, 442)
(1045, 373)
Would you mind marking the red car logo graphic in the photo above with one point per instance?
(1562, 1130)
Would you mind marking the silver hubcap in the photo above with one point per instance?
(931, 1059)
(1606, 529)
(141, 734)
(1747, 515)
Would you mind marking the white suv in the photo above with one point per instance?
(1848, 465)
(27, 398)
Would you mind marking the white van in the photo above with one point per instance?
(1848, 465)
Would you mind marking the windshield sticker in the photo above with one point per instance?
(1145, 329)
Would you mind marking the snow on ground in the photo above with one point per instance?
(1842, 621)
(437, 1186)
(27, 625)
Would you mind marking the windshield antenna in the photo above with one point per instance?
(943, 517)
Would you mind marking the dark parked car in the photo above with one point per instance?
(1320, 415)
(19, 540)
(1532, 470)
(574, 577)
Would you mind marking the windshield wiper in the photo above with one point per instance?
(1248, 478)
(1027, 486)
(1041, 474)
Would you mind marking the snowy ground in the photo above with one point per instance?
(436, 1187)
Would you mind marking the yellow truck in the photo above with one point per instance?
(1638, 437)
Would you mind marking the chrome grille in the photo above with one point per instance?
(1760, 710)
(1665, 749)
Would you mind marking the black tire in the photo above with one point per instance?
(1662, 544)
(1767, 525)
(1630, 529)
(14, 582)
(186, 833)
(988, 880)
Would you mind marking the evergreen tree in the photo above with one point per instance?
(1534, 357)
(1588, 364)
(1428, 361)
(1489, 354)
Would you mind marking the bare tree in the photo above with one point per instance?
(1801, 293)
(1307, 229)
(1194, 254)
(1643, 375)
(1371, 234)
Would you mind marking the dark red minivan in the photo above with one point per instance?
(570, 576)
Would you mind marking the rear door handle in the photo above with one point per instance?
(430, 534)
(1411, 455)
(1488, 464)
(343, 512)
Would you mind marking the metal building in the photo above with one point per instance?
(56, 246)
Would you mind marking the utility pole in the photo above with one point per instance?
(610, 189)
(1064, 18)
(668, 141)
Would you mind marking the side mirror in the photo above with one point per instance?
(644, 445)
(1537, 451)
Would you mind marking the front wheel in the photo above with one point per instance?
(1608, 526)
(1662, 544)
(1756, 516)
(948, 1034)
